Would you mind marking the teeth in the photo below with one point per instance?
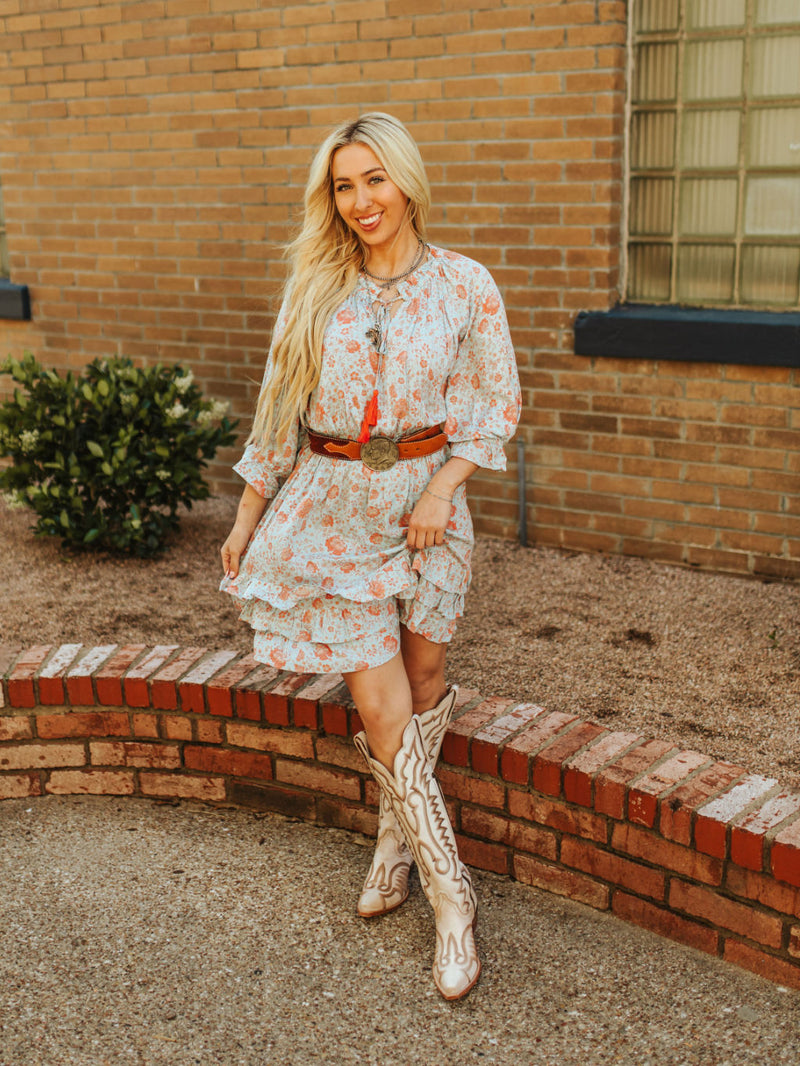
(370, 220)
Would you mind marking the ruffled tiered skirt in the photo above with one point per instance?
(328, 580)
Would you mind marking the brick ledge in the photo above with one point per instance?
(697, 850)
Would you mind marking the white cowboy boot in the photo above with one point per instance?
(386, 886)
(417, 803)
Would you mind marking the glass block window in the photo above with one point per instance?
(714, 153)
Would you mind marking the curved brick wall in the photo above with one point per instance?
(696, 850)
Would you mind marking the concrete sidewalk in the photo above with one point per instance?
(144, 933)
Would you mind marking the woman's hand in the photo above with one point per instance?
(428, 521)
(251, 508)
(234, 548)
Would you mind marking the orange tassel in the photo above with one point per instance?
(370, 418)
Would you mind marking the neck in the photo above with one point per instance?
(393, 260)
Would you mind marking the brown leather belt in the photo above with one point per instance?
(379, 453)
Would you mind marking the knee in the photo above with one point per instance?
(381, 708)
(378, 715)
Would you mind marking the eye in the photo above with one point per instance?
(342, 187)
(376, 179)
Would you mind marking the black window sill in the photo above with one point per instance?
(690, 334)
(15, 301)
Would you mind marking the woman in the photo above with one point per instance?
(391, 379)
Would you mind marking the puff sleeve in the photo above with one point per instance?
(482, 394)
(266, 463)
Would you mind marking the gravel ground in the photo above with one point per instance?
(146, 933)
(708, 661)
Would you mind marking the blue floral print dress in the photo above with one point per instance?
(327, 578)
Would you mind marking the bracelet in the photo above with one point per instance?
(447, 499)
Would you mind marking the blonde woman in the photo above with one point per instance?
(391, 379)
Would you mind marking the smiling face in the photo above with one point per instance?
(369, 202)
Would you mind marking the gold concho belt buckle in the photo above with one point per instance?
(379, 453)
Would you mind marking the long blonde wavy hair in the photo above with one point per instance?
(325, 259)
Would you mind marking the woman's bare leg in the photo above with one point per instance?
(424, 664)
(386, 696)
(382, 696)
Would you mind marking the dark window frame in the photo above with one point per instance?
(15, 301)
(691, 334)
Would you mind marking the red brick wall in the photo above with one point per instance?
(153, 157)
(684, 462)
(694, 849)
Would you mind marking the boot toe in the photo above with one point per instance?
(372, 903)
(456, 965)
(455, 981)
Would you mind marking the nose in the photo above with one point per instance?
(363, 197)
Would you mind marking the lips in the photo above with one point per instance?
(370, 222)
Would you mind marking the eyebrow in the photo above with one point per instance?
(364, 173)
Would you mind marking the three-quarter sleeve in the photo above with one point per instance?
(266, 463)
(265, 467)
(482, 395)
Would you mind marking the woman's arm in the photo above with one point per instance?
(433, 509)
(251, 508)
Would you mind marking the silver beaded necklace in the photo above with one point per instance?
(385, 282)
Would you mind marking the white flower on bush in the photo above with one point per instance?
(128, 399)
(183, 384)
(176, 411)
(210, 414)
(14, 499)
(28, 439)
(162, 474)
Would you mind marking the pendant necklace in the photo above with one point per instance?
(377, 332)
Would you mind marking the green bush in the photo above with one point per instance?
(105, 458)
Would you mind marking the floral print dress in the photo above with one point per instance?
(327, 578)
